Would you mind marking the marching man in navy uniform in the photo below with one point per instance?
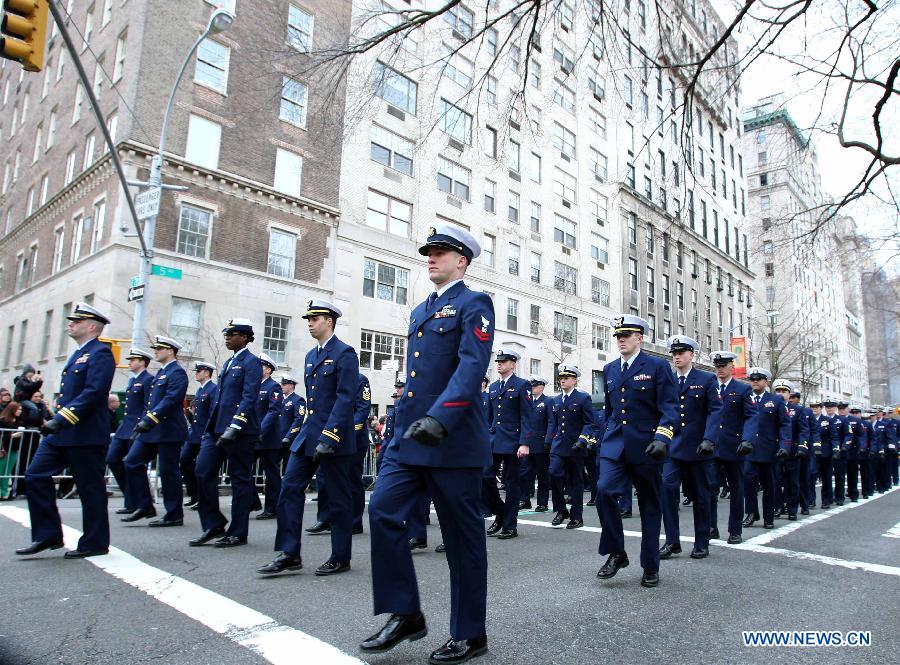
(203, 401)
(77, 438)
(361, 411)
(268, 447)
(823, 449)
(795, 456)
(571, 429)
(691, 454)
(537, 464)
(161, 431)
(293, 407)
(839, 443)
(326, 440)
(641, 416)
(509, 415)
(137, 393)
(440, 448)
(234, 429)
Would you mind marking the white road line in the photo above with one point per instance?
(893, 532)
(780, 532)
(278, 644)
(819, 558)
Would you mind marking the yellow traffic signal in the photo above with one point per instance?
(115, 345)
(24, 29)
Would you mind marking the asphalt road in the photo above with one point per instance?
(545, 605)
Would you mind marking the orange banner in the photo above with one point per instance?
(739, 348)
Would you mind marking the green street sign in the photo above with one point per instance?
(165, 271)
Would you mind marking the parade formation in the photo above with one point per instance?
(454, 439)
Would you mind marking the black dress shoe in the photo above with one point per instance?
(649, 579)
(257, 505)
(734, 539)
(358, 530)
(625, 514)
(84, 554)
(124, 511)
(418, 544)
(230, 541)
(165, 522)
(281, 563)
(591, 502)
(781, 512)
(770, 525)
(686, 501)
(140, 514)
(319, 528)
(714, 533)
(826, 506)
(559, 518)
(399, 627)
(39, 546)
(612, 566)
(440, 548)
(207, 536)
(667, 550)
(191, 502)
(494, 528)
(506, 534)
(459, 651)
(840, 502)
(525, 505)
(724, 493)
(266, 516)
(804, 511)
(540, 509)
(575, 524)
(698, 553)
(792, 517)
(332, 568)
(750, 520)
(196, 506)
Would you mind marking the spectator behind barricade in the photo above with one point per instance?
(27, 382)
(5, 398)
(11, 431)
(46, 413)
(113, 403)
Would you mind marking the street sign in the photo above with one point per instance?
(165, 271)
(739, 347)
(136, 293)
(147, 203)
(135, 280)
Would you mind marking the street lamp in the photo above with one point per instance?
(220, 20)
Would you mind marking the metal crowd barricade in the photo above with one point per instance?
(17, 447)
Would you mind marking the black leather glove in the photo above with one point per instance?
(818, 452)
(144, 425)
(744, 448)
(881, 454)
(50, 427)
(427, 431)
(581, 444)
(230, 434)
(656, 450)
(836, 453)
(781, 453)
(323, 450)
(285, 441)
(706, 447)
(802, 452)
(591, 446)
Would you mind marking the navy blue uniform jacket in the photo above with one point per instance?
(137, 394)
(737, 419)
(84, 394)
(292, 407)
(235, 403)
(447, 355)
(203, 402)
(640, 408)
(331, 379)
(166, 405)
(509, 415)
(773, 428)
(826, 444)
(800, 435)
(540, 412)
(569, 421)
(268, 408)
(698, 409)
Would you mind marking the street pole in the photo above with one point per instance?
(220, 20)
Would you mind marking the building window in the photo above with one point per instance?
(535, 320)
(455, 122)
(77, 232)
(513, 155)
(564, 97)
(203, 142)
(460, 69)
(512, 314)
(599, 165)
(600, 336)
(651, 282)
(599, 248)
(99, 224)
(535, 167)
(396, 89)
(514, 257)
(460, 19)
(535, 217)
(490, 195)
(375, 348)
(600, 291)
(488, 249)
(453, 178)
(385, 282)
(388, 214)
(599, 205)
(666, 290)
(288, 172)
(184, 324)
(565, 278)
(535, 267)
(513, 207)
(391, 149)
(275, 337)
(490, 142)
(565, 186)
(89, 144)
(299, 29)
(564, 231)
(565, 328)
(59, 240)
(679, 294)
(770, 270)
(563, 140)
(119, 62)
(79, 102)
(633, 274)
(193, 231)
(48, 328)
(293, 101)
(282, 252)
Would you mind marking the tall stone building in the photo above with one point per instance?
(255, 135)
(881, 307)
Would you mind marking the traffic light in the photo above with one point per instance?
(24, 29)
(115, 345)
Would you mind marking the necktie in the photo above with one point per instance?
(431, 298)
(756, 399)
(680, 383)
(721, 390)
(227, 365)
(502, 385)
(624, 368)
(566, 400)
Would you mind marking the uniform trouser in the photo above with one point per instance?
(115, 456)
(733, 472)
(840, 477)
(625, 500)
(239, 454)
(812, 467)
(881, 475)
(697, 477)
(358, 488)
(505, 511)
(415, 522)
(765, 472)
(792, 478)
(647, 478)
(825, 474)
(270, 465)
(457, 498)
(567, 474)
(167, 469)
(894, 466)
(853, 473)
(781, 480)
(592, 466)
(188, 462)
(535, 465)
(88, 464)
(291, 501)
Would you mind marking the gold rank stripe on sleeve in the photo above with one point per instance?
(367, 395)
(241, 418)
(152, 416)
(665, 431)
(294, 430)
(358, 427)
(331, 435)
(69, 415)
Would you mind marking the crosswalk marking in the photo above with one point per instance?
(893, 532)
